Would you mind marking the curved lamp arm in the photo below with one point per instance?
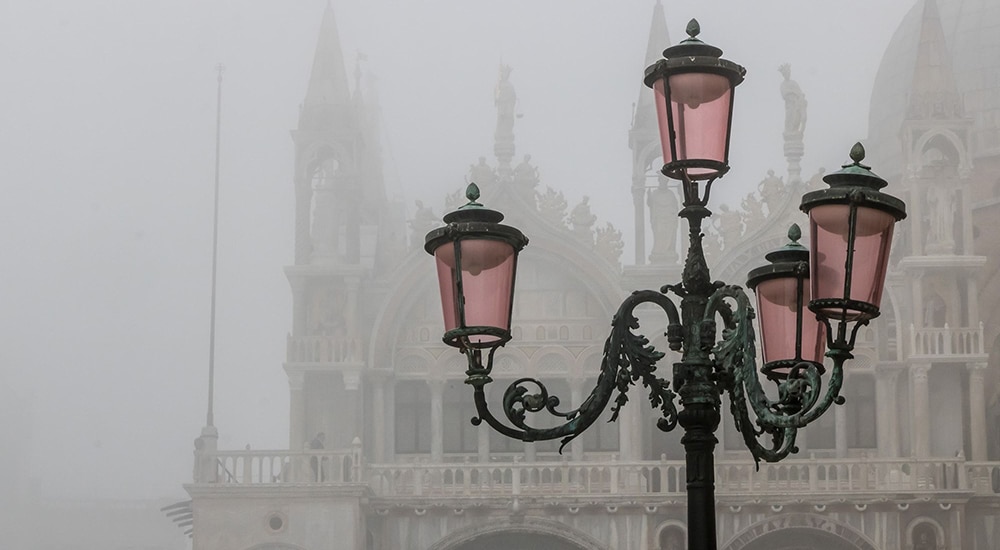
(799, 395)
(628, 358)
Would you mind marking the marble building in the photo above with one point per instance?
(381, 453)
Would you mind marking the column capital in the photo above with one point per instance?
(978, 367)
(352, 380)
(919, 370)
(888, 371)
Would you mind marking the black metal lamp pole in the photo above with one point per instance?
(851, 228)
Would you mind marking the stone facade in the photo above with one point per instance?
(910, 463)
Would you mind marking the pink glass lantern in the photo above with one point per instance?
(476, 263)
(790, 334)
(850, 229)
(693, 90)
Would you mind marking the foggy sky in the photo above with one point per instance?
(107, 113)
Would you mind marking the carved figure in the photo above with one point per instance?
(505, 98)
(730, 226)
(581, 217)
(525, 174)
(663, 220)
(771, 188)
(753, 212)
(609, 243)
(795, 103)
(482, 173)
(941, 203)
(552, 205)
(423, 221)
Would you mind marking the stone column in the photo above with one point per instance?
(576, 396)
(921, 403)
(977, 411)
(483, 442)
(886, 410)
(378, 419)
(840, 429)
(390, 414)
(639, 201)
(297, 412)
(437, 421)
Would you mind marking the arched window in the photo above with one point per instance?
(859, 389)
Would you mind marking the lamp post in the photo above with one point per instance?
(809, 302)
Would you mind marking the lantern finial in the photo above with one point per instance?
(794, 233)
(693, 28)
(858, 153)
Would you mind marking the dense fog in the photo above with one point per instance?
(107, 124)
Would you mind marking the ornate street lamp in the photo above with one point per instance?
(841, 282)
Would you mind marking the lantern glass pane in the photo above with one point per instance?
(487, 284)
(776, 304)
(829, 230)
(700, 105)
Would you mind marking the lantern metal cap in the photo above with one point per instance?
(789, 260)
(693, 55)
(692, 45)
(855, 173)
(855, 183)
(473, 211)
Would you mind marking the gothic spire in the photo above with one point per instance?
(659, 39)
(328, 84)
(933, 93)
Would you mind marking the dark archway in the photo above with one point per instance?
(799, 532)
(518, 541)
(530, 533)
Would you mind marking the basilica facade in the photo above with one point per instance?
(382, 455)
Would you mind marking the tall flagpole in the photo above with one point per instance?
(215, 249)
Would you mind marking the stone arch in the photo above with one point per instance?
(791, 530)
(469, 537)
(667, 528)
(948, 136)
(915, 528)
(275, 546)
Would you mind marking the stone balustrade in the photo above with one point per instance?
(322, 349)
(267, 467)
(935, 343)
(841, 476)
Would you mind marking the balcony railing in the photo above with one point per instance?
(936, 343)
(323, 349)
(269, 467)
(594, 479)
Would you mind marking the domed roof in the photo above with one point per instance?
(972, 32)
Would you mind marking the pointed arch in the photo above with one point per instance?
(461, 538)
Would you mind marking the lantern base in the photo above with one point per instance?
(777, 371)
(695, 169)
(839, 309)
(476, 337)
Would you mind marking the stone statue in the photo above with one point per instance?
(552, 206)
(795, 103)
(923, 538)
(609, 244)
(941, 209)
(423, 221)
(772, 190)
(730, 226)
(816, 182)
(482, 174)
(582, 219)
(753, 212)
(663, 219)
(505, 98)
(526, 175)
